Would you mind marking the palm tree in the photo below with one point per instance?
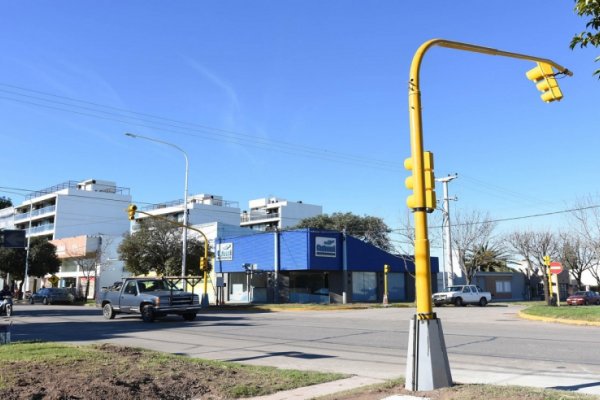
(488, 258)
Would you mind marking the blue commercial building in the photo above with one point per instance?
(310, 266)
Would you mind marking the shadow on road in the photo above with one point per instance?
(35, 324)
(574, 388)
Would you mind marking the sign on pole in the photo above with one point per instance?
(556, 268)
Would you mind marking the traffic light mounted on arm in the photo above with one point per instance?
(131, 211)
(429, 183)
(545, 81)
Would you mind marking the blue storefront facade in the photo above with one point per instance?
(310, 266)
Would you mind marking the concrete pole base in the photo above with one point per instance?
(427, 366)
(204, 300)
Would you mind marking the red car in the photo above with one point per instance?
(583, 298)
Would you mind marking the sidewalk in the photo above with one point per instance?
(324, 389)
(310, 392)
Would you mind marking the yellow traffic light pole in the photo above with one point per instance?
(422, 267)
(132, 209)
(426, 369)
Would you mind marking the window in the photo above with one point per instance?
(503, 287)
(131, 288)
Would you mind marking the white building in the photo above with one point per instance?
(71, 209)
(271, 213)
(202, 209)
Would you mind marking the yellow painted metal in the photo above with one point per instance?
(131, 211)
(550, 290)
(547, 261)
(386, 269)
(417, 200)
(543, 75)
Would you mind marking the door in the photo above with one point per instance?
(129, 300)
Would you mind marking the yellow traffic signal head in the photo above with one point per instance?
(430, 200)
(543, 76)
(547, 260)
(429, 183)
(409, 182)
(131, 211)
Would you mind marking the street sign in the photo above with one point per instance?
(556, 268)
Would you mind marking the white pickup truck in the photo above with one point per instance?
(461, 295)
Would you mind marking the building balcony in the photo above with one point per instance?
(35, 213)
(254, 217)
(35, 230)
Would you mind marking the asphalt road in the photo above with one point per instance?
(485, 345)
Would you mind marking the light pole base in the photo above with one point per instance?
(204, 300)
(427, 366)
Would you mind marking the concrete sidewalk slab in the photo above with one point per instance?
(310, 392)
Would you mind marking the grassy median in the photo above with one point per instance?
(581, 314)
(36, 370)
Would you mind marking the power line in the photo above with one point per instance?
(511, 218)
(176, 126)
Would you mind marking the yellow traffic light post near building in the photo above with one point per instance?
(427, 366)
(204, 267)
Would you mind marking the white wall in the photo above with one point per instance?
(90, 213)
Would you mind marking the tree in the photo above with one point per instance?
(586, 228)
(156, 247)
(42, 260)
(5, 202)
(489, 258)
(577, 257)
(533, 246)
(591, 36)
(470, 232)
(368, 229)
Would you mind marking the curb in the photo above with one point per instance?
(558, 320)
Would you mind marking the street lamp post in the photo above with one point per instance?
(185, 195)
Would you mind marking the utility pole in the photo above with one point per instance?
(448, 265)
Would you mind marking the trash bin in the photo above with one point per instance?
(5, 333)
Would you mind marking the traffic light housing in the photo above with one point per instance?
(131, 211)
(544, 79)
(547, 260)
(204, 266)
(428, 181)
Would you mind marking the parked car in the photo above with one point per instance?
(461, 295)
(51, 296)
(582, 298)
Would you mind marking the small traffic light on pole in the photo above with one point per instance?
(429, 183)
(131, 211)
(543, 76)
(204, 264)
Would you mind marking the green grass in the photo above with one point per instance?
(572, 313)
(231, 380)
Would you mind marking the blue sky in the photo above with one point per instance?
(305, 100)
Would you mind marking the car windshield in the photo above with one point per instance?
(579, 294)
